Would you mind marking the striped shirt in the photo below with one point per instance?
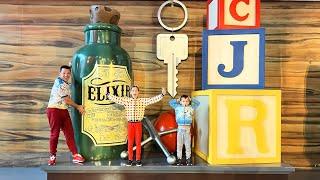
(135, 107)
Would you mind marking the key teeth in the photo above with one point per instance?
(176, 82)
(176, 79)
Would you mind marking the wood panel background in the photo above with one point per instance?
(37, 36)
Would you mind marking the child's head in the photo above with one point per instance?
(134, 92)
(65, 72)
(185, 100)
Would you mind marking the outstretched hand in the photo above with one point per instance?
(80, 108)
(164, 91)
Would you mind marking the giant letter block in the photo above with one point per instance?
(238, 126)
(233, 14)
(233, 59)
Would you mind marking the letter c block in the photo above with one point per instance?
(233, 14)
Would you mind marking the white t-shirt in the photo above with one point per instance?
(60, 90)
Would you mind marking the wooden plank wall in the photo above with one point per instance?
(37, 36)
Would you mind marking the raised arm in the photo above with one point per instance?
(195, 103)
(155, 99)
(119, 100)
(174, 103)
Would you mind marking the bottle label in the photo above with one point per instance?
(104, 121)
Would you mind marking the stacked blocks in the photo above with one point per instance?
(238, 122)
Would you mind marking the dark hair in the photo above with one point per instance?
(65, 67)
(135, 87)
(184, 96)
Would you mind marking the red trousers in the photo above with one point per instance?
(60, 119)
(134, 133)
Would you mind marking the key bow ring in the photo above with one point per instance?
(172, 29)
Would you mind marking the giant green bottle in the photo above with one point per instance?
(98, 67)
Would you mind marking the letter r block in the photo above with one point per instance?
(238, 126)
(233, 14)
(233, 59)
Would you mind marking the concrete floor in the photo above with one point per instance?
(19, 173)
(12, 172)
(35, 173)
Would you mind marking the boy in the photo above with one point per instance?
(135, 112)
(184, 108)
(59, 118)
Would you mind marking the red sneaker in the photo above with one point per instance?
(52, 160)
(77, 158)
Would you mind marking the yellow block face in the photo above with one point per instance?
(245, 126)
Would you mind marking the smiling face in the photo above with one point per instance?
(65, 74)
(134, 92)
(185, 101)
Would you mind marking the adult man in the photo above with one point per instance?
(59, 118)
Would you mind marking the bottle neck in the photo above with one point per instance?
(102, 37)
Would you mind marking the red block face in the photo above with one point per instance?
(233, 14)
(167, 121)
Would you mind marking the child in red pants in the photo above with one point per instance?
(135, 112)
(58, 115)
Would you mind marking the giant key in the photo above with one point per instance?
(172, 48)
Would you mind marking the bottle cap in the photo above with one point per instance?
(104, 14)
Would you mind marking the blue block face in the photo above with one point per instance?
(233, 59)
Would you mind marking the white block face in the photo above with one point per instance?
(247, 136)
(201, 119)
(242, 9)
(213, 15)
(218, 55)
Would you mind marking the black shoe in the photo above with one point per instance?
(179, 162)
(189, 162)
(138, 163)
(129, 163)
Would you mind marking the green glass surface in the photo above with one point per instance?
(102, 46)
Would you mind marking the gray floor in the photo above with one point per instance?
(35, 173)
(152, 162)
(156, 163)
(20, 173)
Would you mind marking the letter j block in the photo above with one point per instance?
(233, 14)
(238, 126)
(233, 59)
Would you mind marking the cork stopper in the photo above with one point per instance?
(104, 14)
